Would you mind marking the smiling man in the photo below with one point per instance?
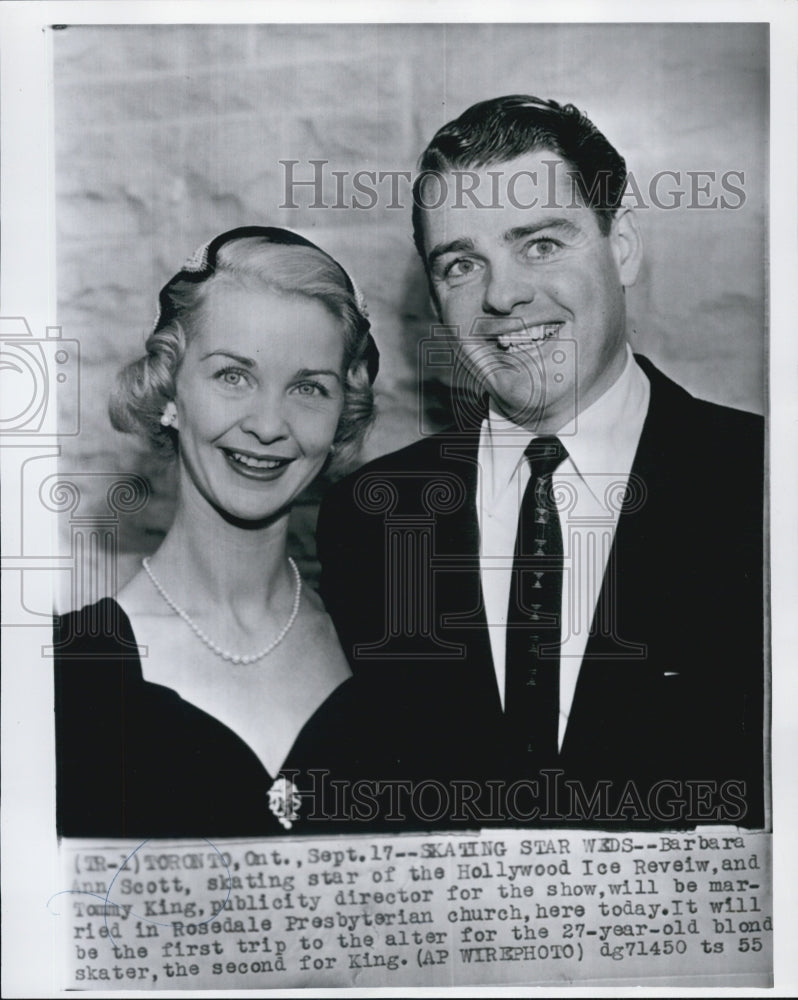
(563, 593)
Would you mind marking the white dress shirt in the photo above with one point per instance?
(589, 488)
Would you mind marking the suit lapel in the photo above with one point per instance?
(459, 605)
(620, 669)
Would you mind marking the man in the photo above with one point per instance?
(563, 594)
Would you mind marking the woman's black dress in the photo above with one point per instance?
(136, 760)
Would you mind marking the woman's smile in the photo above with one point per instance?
(263, 467)
(259, 397)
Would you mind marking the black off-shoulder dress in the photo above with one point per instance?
(136, 760)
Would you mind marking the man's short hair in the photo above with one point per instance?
(505, 128)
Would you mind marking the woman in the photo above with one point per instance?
(195, 703)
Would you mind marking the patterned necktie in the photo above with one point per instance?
(532, 678)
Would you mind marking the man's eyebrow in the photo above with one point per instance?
(563, 226)
(455, 246)
(245, 362)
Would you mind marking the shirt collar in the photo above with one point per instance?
(602, 439)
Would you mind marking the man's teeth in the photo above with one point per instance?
(530, 335)
(255, 463)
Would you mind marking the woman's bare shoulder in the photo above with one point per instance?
(316, 618)
(314, 602)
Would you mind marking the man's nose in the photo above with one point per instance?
(507, 287)
(265, 417)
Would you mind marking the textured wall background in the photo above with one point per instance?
(167, 135)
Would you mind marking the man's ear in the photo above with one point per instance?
(627, 245)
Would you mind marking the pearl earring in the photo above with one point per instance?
(169, 415)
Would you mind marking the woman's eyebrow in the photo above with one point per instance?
(308, 372)
(245, 362)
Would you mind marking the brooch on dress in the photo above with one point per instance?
(284, 801)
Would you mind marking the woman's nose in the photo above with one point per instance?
(265, 418)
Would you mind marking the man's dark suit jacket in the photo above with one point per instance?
(669, 698)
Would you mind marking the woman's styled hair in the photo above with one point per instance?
(274, 259)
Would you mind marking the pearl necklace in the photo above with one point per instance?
(225, 654)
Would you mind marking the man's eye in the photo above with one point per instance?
(539, 249)
(463, 267)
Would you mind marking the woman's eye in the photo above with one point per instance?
(233, 377)
(310, 389)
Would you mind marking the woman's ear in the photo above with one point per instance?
(169, 415)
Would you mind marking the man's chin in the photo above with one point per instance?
(542, 415)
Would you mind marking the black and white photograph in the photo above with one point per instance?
(397, 557)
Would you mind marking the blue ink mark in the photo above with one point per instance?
(148, 920)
